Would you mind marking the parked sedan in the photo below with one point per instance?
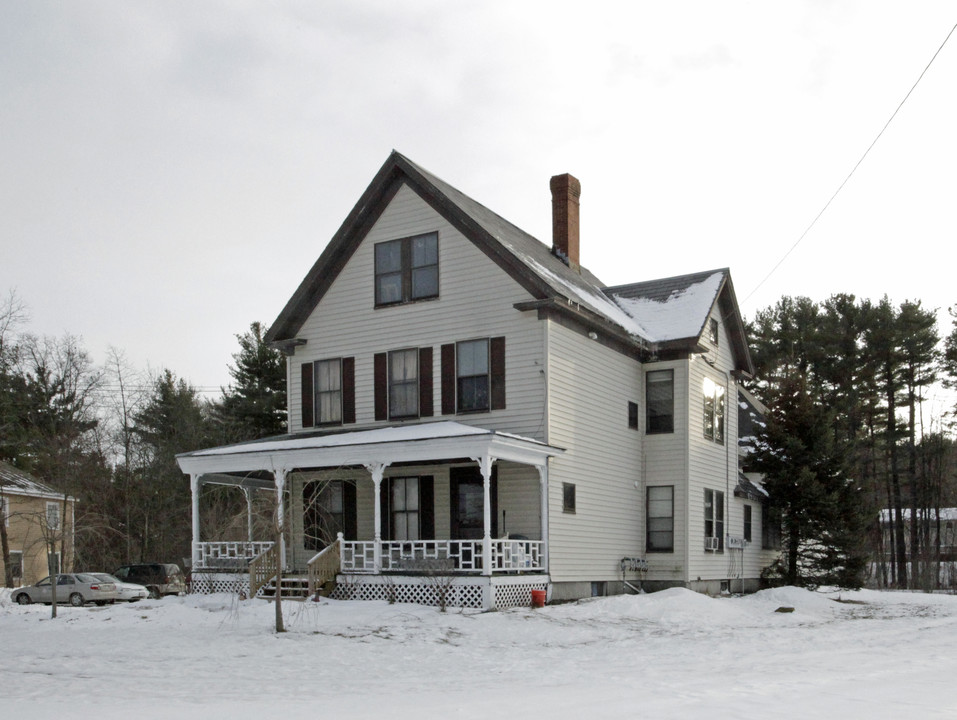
(130, 592)
(77, 589)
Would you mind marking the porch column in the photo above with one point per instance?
(543, 496)
(194, 486)
(280, 477)
(485, 465)
(248, 492)
(377, 469)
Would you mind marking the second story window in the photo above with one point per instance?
(329, 391)
(713, 331)
(660, 401)
(403, 383)
(472, 375)
(407, 269)
(713, 411)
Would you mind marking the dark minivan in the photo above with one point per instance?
(159, 578)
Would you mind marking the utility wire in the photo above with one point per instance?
(853, 170)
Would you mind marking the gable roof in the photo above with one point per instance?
(18, 482)
(674, 310)
(550, 282)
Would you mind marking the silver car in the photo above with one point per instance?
(77, 589)
(130, 592)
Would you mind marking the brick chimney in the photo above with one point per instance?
(565, 193)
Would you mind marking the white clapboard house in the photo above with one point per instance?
(474, 414)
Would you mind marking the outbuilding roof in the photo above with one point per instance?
(19, 482)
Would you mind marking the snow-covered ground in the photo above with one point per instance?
(673, 654)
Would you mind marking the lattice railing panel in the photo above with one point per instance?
(516, 594)
(467, 595)
(203, 584)
(459, 556)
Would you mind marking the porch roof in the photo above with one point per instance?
(421, 442)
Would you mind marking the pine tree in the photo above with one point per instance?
(805, 475)
(254, 405)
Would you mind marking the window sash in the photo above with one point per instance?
(407, 269)
(329, 391)
(53, 516)
(713, 411)
(405, 508)
(472, 373)
(660, 516)
(747, 523)
(403, 383)
(714, 516)
(659, 401)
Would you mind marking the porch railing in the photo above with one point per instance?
(227, 555)
(263, 568)
(458, 556)
(324, 566)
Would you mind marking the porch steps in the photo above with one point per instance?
(293, 588)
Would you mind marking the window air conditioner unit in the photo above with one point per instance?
(711, 544)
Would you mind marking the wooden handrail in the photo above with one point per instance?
(324, 566)
(263, 568)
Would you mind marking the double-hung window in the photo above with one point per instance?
(407, 269)
(747, 523)
(404, 383)
(53, 516)
(660, 510)
(405, 508)
(472, 375)
(714, 519)
(660, 401)
(713, 411)
(329, 391)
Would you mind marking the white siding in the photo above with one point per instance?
(665, 462)
(589, 387)
(475, 300)
(712, 465)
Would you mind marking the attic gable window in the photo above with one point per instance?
(713, 331)
(407, 269)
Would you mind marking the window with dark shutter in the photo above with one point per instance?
(307, 398)
(448, 379)
(425, 382)
(497, 362)
(380, 373)
(348, 390)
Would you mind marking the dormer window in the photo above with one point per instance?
(407, 269)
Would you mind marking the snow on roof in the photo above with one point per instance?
(680, 315)
(401, 433)
(594, 301)
(18, 482)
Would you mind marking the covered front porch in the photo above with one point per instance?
(399, 513)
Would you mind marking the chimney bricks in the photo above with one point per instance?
(566, 190)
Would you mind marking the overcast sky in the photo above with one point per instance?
(169, 171)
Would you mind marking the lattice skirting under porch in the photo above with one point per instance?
(206, 583)
(462, 592)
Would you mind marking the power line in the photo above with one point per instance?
(853, 170)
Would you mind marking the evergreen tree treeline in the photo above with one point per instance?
(97, 435)
(856, 374)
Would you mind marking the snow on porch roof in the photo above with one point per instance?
(422, 441)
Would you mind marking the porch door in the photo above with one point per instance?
(467, 503)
